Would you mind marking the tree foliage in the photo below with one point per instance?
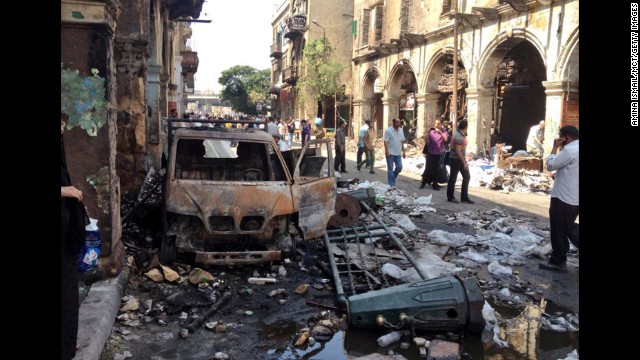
(82, 99)
(244, 86)
(320, 75)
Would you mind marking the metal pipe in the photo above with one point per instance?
(342, 298)
(397, 241)
(354, 229)
(354, 236)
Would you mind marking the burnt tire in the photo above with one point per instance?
(168, 250)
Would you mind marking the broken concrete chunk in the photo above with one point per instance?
(444, 350)
(423, 352)
(282, 301)
(220, 356)
(184, 333)
(155, 275)
(320, 331)
(197, 276)
(273, 293)
(311, 341)
(220, 328)
(302, 289)
(131, 305)
(211, 325)
(183, 316)
(420, 341)
(169, 273)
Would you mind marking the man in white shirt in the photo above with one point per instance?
(272, 127)
(282, 145)
(535, 140)
(565, 204)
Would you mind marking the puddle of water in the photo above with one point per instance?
(523, 332)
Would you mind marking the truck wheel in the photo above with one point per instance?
(168, 251)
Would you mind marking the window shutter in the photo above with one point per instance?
(366, 20)
(379, 22)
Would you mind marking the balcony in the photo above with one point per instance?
(189, 61)
(180, 8)
(290, 74)
(274, 89)
(295, 26)
(276, 51)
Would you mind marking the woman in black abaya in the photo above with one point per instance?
(72, 235)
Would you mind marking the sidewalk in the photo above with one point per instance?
(97, 314)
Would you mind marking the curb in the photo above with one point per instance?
(97, 314)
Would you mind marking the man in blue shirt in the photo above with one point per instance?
(361, 148)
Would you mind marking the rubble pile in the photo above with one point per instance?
(141, 212)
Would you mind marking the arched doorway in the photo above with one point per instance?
(445, 88)
(519, 96)
(403, 89)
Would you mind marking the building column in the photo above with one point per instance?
(391, 109)
(427, 111)
(553, 110)
(479, 116)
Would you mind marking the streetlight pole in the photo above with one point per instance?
(324, 31)
(454, 97)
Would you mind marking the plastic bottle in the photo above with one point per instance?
(390, 338)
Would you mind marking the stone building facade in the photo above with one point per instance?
(87, 34)
(132, 44)
(296, 23)
(517, 65)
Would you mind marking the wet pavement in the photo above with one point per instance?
(262, 327)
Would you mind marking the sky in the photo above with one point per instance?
(239, 33)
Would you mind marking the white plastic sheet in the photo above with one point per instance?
(498, 269)
(403, 221)
(473, 255)
(442, 237)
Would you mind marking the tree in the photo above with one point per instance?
(320, 75)
(244, 86)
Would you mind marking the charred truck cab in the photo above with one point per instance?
(232, 197)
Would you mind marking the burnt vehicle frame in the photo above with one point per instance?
(232, 197)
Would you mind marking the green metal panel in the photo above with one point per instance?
(354, 27)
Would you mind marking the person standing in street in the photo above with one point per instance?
(73, 219)
(458, 164)
(361, 147)
(306, 132)
(290, 130)
(535, 140)
(394, 150)
(340, 160)
(565, 194)
(436, 139)
(370, 150)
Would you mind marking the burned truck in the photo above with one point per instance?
(232, 197)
